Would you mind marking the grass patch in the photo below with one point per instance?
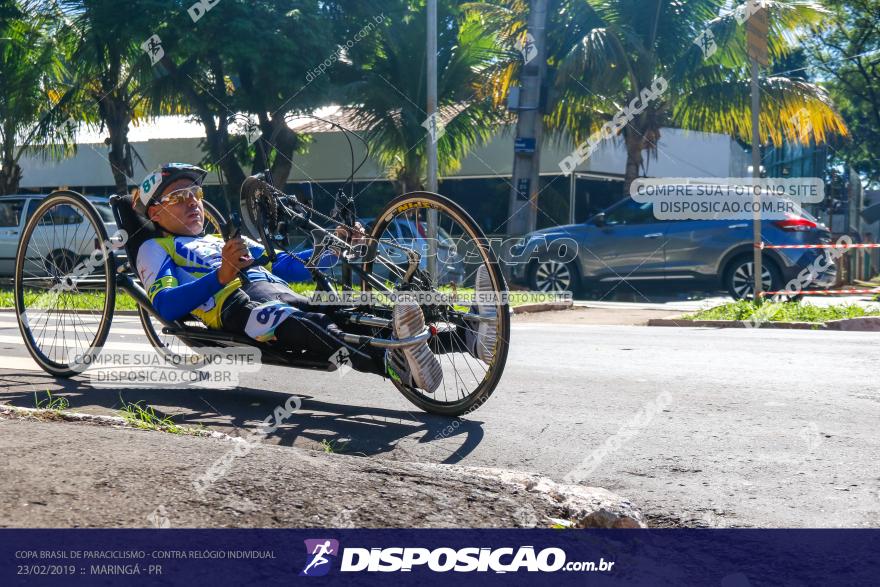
(80, 301)
(334, 446)
(782, 312)
(50, 402)
(137, 416)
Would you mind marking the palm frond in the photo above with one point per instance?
(792, 110)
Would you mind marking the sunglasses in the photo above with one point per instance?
(182, 195)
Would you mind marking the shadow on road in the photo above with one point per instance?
(346, 429)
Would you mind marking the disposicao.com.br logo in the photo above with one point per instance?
(468, 559)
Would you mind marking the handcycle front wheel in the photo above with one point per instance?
(460, 249)
(64, 311)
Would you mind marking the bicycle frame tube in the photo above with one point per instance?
(129, 286)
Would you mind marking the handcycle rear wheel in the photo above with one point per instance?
(64, 312)
(462, 247)
(170, 347)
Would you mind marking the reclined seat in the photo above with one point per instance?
(139, 228)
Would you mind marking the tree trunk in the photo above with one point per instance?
(233, 174)
(216, 133)
(275, 136)
(217, 143)
(10, 171)
(634, 147)
(116, 116)
(10, 177)
(408, 181)
(285, 143)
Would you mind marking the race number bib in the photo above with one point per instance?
(265, 318)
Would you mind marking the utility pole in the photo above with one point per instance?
(523, 210)
(756, 173)
(433, 133)
(757, 28)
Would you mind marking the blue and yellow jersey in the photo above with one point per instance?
(168, 262)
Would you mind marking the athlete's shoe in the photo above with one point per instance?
(415, 366)
(484, 336)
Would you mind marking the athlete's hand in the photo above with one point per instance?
(358, 236)
(235, 258)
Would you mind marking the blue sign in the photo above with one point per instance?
(524, 145)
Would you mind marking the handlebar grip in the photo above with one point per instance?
(232, 229)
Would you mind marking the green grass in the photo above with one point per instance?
(146, 418)
(95, 301)
(334, 446)
(782, 312)
(50, 402)
(79, 301)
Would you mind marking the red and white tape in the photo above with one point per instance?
(822, 292)
(852, 246)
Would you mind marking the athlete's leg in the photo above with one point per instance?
(321, 336)
(295, 329)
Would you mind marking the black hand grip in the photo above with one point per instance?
(232, 229)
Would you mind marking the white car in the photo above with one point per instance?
(16, 210)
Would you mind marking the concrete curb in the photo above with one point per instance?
(861, 324)
(735, 324)
(114, 421)
(544, 307)
(585, 507)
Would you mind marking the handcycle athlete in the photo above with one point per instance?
(230, 286)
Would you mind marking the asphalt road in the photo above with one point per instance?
(699, 427)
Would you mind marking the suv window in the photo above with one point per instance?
(405, 230)
(630, 212)
(10, 213)
(65, 214)
(105, 212)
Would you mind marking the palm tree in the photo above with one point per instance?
(247, 62)
(389, 96)
(605, 53)
(32, 113)
(110, 71)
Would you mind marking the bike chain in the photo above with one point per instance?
(314, 211)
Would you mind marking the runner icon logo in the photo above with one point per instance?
(319, 551)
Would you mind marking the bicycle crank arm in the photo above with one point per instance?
(396, 343)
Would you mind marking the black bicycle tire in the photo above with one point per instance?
(55, 368)
(487, 387)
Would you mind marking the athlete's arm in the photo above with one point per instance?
(292, 267)
(172, 300)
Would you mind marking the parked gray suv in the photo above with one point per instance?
(14, 214)
(627, 243)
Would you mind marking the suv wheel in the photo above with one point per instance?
(554, 277)
(61, 262)
(739, 278)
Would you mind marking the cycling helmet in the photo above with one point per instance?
(154, 185)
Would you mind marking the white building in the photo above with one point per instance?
(594, 185)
